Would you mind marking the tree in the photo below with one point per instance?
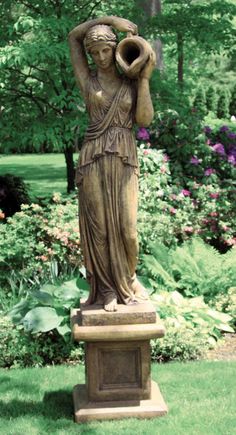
(223, 104)
(41, 105)
(211, 99)
(199, 102)
(232, 105)
(194, 25)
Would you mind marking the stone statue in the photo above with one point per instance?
(107, 172)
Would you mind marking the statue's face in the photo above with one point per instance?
(103, 55)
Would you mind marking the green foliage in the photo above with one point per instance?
(176, 204)
(211, 99)
(199, 102)
(48, 308)
(21, 349)
(232, 104)
(191, 325)
(193, 269)
(226, 303)
(40, 242)
(223, 105)
(13, 193)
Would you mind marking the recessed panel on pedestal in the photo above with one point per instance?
(119, 369)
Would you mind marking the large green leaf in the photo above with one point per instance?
(19, 311)
(42, 319)
(82, 284)
(43, 297)
(68, 291)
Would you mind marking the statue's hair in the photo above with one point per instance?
(99, 34)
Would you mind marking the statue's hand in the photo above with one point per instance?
(123, 25)
(149, 67)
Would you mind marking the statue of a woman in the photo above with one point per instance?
(107, 172)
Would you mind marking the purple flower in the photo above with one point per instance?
(185, 192)
(231, 135)
(232, 159)
(224, 128)
(207, 129)
(142, 134)
(219, 149)
(209, 171)
(194, 160)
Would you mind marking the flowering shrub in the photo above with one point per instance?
(38, 242)
(174, 211)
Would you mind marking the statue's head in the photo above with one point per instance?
(100, 34)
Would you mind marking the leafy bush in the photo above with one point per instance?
(191, 325)
(194, 269)
(48, 308)
(21, 349)
(13, 193)
(226, 302)
(39, 243)
(172, 212)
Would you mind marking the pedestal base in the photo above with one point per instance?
(85, 410)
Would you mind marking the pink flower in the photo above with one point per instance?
(166, 158)
(173, 196)
(213, 214)
(208, 142)
(44, 257)
(231, 242)
(225, 228)
(163, 169)
(173, 210)
(209, 171)
(145, 152)
(188, 229)
(185, 192)
(214, 195)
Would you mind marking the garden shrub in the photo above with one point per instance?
(232, 104)
(194, 268)
(21, 349)
(226, 302)
(39, 243)
(211, 99)
(223, 104)
(199, 102)
(172, 212)
(13, 193)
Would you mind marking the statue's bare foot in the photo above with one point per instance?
(110, 303)
(139, 291)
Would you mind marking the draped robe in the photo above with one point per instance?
(108, 185)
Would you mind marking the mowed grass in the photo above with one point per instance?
(43, 173)
(201, 397)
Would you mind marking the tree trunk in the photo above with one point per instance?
(151, 8)
(70, 168)
(180, 54)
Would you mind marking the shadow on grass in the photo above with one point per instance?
(55, 405)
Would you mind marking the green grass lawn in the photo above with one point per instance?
(44, 173)
(201, 397)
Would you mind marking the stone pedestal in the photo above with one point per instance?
(118, 363)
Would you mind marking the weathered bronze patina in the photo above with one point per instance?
(107, 172)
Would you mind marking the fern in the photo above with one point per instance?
(156, 271)
(195, 268)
